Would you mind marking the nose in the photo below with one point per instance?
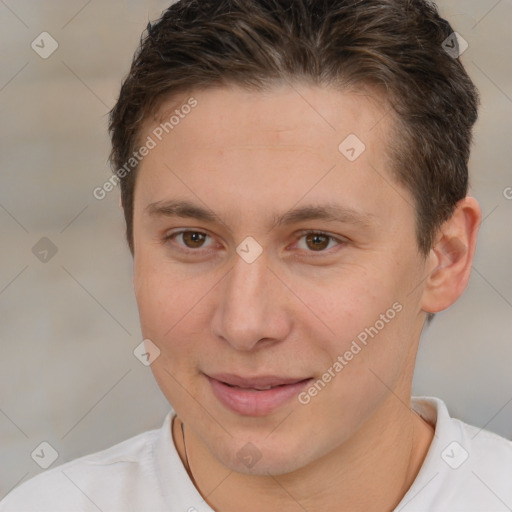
(252, 306)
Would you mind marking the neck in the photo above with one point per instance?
(359, 475)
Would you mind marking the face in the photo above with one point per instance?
(269, 252)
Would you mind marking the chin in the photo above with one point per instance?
(265, 467)
(270, 460)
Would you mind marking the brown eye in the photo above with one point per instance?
(193, 239)
(188, 240)
(317, 241)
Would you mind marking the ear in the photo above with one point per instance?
(451, 257)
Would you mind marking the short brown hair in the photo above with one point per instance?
(396, 45)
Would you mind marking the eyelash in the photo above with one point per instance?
(171, 236)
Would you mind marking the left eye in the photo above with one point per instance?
(317, 241)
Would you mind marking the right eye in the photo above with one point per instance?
(191, 240)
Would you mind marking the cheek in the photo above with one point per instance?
(166, 309)
(367, 352)
(366, 319)
(348, 303)
(162, 298)
(172, 308)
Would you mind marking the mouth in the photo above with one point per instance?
(256, 396)
(259, 383)
(255, 388)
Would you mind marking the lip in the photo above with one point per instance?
(259, 382)
(247, 401)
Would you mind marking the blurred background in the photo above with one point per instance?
(68, 318)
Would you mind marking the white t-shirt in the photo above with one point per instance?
(466, 470)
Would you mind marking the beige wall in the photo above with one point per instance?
(68, 327)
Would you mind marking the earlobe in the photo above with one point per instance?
(452, 257)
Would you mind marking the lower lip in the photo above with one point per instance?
(255, 403)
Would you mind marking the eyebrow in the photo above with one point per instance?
(327, 212)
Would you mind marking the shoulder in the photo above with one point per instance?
(90, 482)
(477, 464)
(483, 452)
(490, 455)
(466, 468)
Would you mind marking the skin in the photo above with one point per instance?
(249, 157)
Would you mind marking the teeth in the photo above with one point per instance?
(251, 389)
(255, 389)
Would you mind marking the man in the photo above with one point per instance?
(294, 182)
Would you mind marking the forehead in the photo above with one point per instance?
(241, 148)
(279, 114)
